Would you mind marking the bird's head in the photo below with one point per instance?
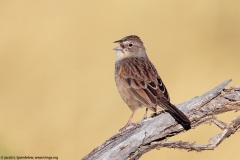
(130, 46)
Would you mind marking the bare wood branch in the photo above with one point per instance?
(154, 132)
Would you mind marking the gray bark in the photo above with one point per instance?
(153, 133)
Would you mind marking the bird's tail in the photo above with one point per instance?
(176, 113)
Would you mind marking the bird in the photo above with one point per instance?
(139, 83)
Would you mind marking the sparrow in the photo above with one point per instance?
(138, 82)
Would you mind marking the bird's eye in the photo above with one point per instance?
(130, 45)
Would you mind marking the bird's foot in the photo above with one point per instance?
(125, 128)
(157, 113)
(144, 117)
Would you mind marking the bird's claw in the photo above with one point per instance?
(126, 127)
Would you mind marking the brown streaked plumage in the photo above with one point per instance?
(138, 82)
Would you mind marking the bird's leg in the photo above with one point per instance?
(145, 115)
(129, 122)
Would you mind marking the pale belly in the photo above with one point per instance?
(124, 92)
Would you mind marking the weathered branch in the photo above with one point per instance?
(154, 132)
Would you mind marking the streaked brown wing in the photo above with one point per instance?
(163, 89)
(139, 76)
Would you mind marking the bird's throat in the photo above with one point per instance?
(120, 55)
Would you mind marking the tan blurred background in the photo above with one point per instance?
(57, 90)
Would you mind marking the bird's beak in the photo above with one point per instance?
(118, 47)
(118, 41)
